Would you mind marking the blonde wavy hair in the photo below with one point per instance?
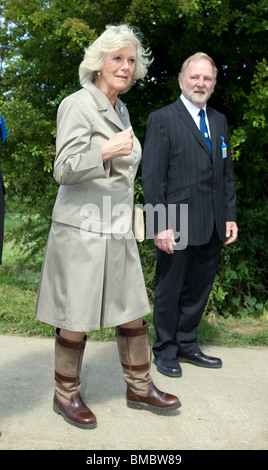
(112, 39)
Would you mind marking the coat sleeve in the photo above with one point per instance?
(229, 183)
(155, 163)
(76, 161)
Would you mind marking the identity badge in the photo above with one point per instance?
(223, 148)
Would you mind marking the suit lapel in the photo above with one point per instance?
(104, 105)
(213, 130)
(187, 118)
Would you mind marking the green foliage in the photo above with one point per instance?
(236, 286)
(42, 44)
(18, 295)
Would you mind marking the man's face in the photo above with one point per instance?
(198, 82)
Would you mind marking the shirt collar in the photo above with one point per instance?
(193, 110)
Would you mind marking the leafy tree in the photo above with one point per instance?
(42, 44)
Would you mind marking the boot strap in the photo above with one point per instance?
(130, 332)
(64, 378)
(136, 368)
(66, 343)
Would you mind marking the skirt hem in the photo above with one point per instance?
(96, 327)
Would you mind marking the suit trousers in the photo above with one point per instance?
(184, 281)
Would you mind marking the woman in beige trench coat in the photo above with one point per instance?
(91, 272)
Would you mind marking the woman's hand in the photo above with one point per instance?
(119, 145)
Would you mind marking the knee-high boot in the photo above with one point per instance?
(67, 399)
(134, 356)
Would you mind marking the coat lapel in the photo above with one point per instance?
(104, 105)
(213, 131)
(112, 116)
(187, 118)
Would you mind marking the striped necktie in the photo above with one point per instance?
(204, 129)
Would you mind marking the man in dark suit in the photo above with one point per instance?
(185, 167)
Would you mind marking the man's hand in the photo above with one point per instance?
(231, 232)
(165, 241)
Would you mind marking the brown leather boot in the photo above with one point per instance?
(134, 356)
(67, 399)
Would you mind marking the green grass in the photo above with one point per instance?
(18, 290)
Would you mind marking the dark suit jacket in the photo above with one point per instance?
(177, 168)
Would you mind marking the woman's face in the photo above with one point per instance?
(117, 72)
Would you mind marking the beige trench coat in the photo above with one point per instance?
(91, 273)
(86, 120)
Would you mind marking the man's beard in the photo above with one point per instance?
(201, 98)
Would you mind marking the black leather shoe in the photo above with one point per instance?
(201, 360)
(169, 367)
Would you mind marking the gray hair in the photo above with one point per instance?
(198, 56)
(112, 39)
